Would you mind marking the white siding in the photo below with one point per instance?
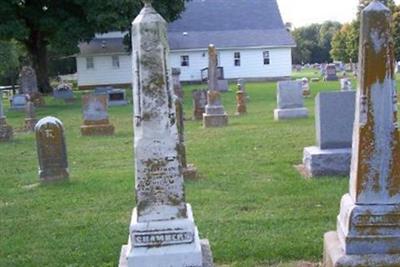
(252, 66)
(103, 71)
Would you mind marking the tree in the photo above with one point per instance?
(327, 31)
(314, 42)
(11, 55)
(338, 51)
(62, 24)
(351, 34)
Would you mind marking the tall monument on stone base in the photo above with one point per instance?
(368, 225)
(162, 231)
(215, 115)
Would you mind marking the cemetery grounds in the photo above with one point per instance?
(249, 201)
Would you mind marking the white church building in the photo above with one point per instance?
(250, 36)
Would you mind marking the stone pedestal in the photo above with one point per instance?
(185, 247)
(90, 128)
(368, 225)
(290, 113)
(215, 115)
(366, 236)
(334, 256)
(210, 120)
(326, 162)
(6, 131)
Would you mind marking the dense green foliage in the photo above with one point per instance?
(11, 55)
(314, 42)
(39, 24)
(250, 202)
(345, 42)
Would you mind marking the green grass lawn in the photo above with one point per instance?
(250, 202)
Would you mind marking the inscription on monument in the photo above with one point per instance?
(158, 238)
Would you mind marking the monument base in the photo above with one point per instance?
(59, 175)
(212, 120)
(100, 129)
(292, 113)
(367, 228)
(190, 172)
(326, 162)
(6, 131)
(241, 111)
(30, 124)
(334, 256)
(164, 244)
(117, 103)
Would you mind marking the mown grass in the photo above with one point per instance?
(250, 202)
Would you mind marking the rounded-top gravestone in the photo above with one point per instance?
(51, 149)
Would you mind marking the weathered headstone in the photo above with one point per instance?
(51, 149)
(30, 116)
(176, 82)
(330, 73)
(95, 116)
(242, 84)
(334, 117)
(117, 97)
(241, 108)
(64, 92)
(199, 103)
(215, 115)
(103, 90)
(368, 226)
(345, 84)
(29, 85)
(290, 101)
(6, 131)
(18, 102)
(189, 170)
(305, 86)
(162, 230)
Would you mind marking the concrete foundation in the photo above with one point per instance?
(326, 162)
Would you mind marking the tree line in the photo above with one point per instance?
(333, 41)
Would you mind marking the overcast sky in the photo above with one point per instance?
(304, 12)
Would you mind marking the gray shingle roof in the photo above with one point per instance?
(229, 23)
(102, 46)
(224, 23)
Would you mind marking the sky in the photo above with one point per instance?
(305, 12)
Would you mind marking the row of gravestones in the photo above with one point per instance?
(163, 232)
